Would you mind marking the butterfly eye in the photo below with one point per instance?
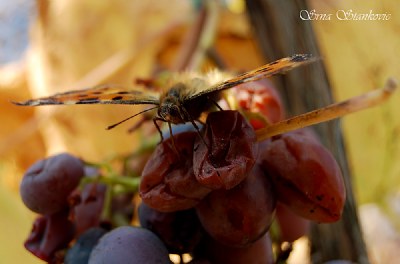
(174, 111)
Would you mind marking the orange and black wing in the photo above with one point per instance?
(102, 94)
(279, 66)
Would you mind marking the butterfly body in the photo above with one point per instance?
(183, 100)
(176, 105)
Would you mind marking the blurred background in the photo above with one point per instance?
(53, 46)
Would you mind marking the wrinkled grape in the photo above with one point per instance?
(47, 183)
(180, 231)
(49, 234)
(87, 213)
(129, 245)
(229, 153)
(79, 253)
(306, 176)
(168, 183)
(239, 216)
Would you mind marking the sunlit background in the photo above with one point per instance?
(52, 46)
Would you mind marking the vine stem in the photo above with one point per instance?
(199, 39)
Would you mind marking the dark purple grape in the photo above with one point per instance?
(259, 252)
(229, 153)
(129, 244)
(180, 231)
(47, 183)
(239, 216)
(49, 234)
(79, 253)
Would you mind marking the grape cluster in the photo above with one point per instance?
(213, 194)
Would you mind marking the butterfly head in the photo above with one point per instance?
(169, 111)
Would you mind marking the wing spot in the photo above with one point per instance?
(116, 98)
(93, 100)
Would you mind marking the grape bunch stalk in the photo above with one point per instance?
(211, 194)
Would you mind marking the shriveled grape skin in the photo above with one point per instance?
(226, 153)
(180, 231)
(239, 216)
(128, 245)
(305, 174)
(49, 234)
(47, 183)
(87, 213)
(168, 183)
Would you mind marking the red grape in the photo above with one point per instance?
(47, 183)
(260, 97)
(306, 176)
(168, 183)
(239, 216)
(291, 226)
(229, 153)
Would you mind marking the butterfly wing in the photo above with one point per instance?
(279, 66)
(102, 94)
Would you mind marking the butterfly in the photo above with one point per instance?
(184, 99)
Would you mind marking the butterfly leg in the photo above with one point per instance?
(155, 119)
(191, 120)
(215, 103)
(173, 140)
(170, 134)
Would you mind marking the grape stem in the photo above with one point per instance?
(131, 184)
(330, 112)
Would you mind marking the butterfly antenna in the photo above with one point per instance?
(126, 119)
